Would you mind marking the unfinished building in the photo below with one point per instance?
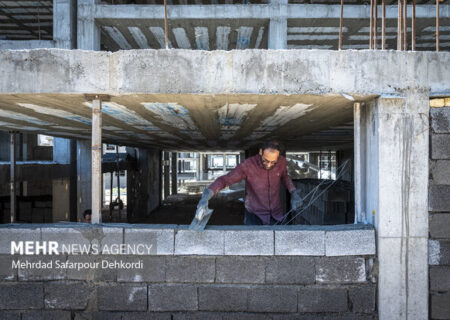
(151, 110)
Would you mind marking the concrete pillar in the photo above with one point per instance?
(84, 181)
(395, 192)
(174, 173)
(278, 24)
(88, 33)
(64, 23)
(96, 161)
(166, 175)
(12, 177)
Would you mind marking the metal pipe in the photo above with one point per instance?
(405, 32)
(165, 25)
(399, 26)
(96, 159)
(383, 27)
(340, 25)
(12, 176)
(375, 27)
(437, 25)
(413, 26)
(371, 26)
(357, 159)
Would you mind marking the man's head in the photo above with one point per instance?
(87, 214)
(269, 153)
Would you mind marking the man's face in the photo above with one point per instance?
(269, 158)
(87, 219)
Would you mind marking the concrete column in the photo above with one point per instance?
(12, 177)
(84, 181)
(166, 175)
(88, 33)
(174, 173)
(396, 197)
(96, 161)
(278, 24)
(64, 23)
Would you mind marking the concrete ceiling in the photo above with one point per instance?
(189, 122)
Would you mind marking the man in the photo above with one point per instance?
(263, 174)
(87, 215)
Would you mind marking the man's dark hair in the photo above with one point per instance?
(86, 212)
(271, 144)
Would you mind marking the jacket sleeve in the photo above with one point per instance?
(235, 175)
(287, 180)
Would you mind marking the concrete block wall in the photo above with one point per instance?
(439, 208)
(192, 275)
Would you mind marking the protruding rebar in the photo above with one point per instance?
(375, 26)
(399, 26)
(166, 37)
(371, 26)
(405, 32)
(413, 26)
(340, 25)
(437, 25)
(383, 27)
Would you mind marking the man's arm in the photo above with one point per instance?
(232, 177)
(287, 181)
(296, 200)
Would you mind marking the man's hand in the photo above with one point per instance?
(296, 200)
(202, 207)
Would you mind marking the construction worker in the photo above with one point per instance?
(263, 174)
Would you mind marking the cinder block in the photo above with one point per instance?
(440, 119)
(440, 306)
(207, 242)
(340, 270)
(122, 298)
(440, 225)
(272, 299)
(172, 298)
(440, 278)
(363, 298)
(249, 242)
(438, 198)
(42, 273)
(350, 242)
(223, 298)
(440, 146)
(290, 270)
(66, 295)
(161, 239)
(90, 268)
(47, 315)
(10, 315)
(251, 316)
(21, 296)
(440, 171)
(300, 242)
(72, 238)
(154, 270)
(190, 269)
(199, 315)
(8, 234)
(439, 252)
(240, 269)
(98, 315)
(322, 300)
(7, 272)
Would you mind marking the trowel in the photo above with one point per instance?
(199, 225)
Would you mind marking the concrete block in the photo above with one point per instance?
(440, 278)
(440, 225)
(440, 306)
(172, 298)
(350, 242)
(7, 272)
(21, 296)
(8, 234)
(290, 270)
(154, 270)
(272, 299)
(98, 315)
(47, 315)
(222, 298)
(438, 198)
(207, 242)
(439, 252)
(246, 316)
(240, 269)
(440, 171)
(300, 242)
(254, 242)
(99, 237)
(322, 300)
(440, 119)
(162, 239)
(10, 315)
(362, 299)
(146, 315)
(88, 270)
(50, 272)
(198, 315)
(190, 269)
(122, 298)
(440, 146)
(66, 295)
(340, 270)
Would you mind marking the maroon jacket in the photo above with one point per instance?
(262, 186)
